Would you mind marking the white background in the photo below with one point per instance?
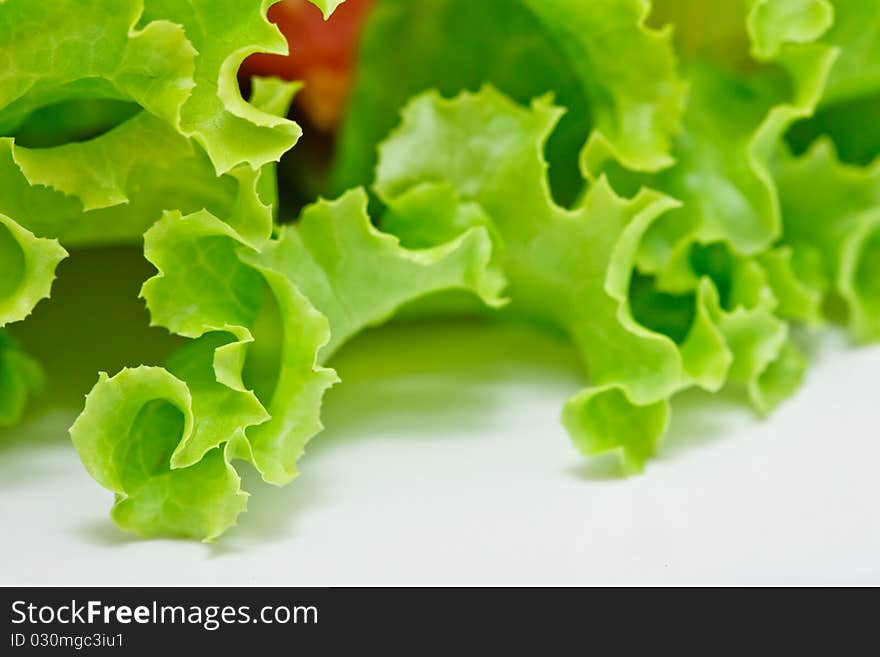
(446, 464)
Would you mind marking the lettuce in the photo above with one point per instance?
(27, 269)
(629, 104)
(166, 131)
(832, 212)
(693, 284)
(112, 187)
(328, 277)
(830, 186)
(677, 187)
(571, 268)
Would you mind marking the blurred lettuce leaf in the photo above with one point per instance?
(615, 76)
(832, 215)
(20, 377)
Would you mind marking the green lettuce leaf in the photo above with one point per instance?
(850, 109)
(113, 112)
(856, 33)
(832, 215)
(224, 33)
(615, 76)
(110, 188)
(701, 290)
(27, 269)
(737, 112)
(356, 277)
(575, 269)
(166, 60)
(571, 268)
(130, 427)
(91, 49)
(268, 313)
(756, 72)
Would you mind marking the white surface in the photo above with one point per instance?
(430, 476)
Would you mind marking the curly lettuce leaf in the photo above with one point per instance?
(571, 268)
(85, 180)
(62, 50)
(148, 168)
(27, 269)
(224, 32)
(856, 33)
(737, 112)
(616, 77)
(850, 109)
(356, 277)
(797, 279)
(130, 175)
(742, 99)
(112, 186)
(576, 269)
(325, 279)
(131, 425)
(203, 291)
